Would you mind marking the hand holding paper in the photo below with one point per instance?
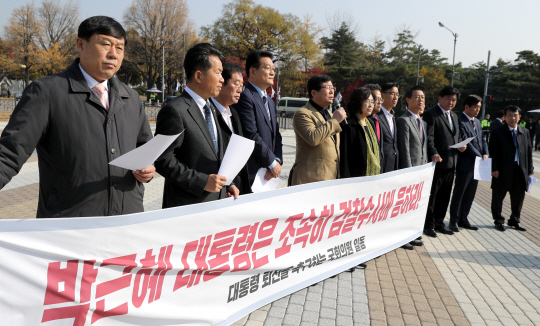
(238, 152)
(463, 143)
(260, 183)
(532, 180)
(482, 169)
(144, 156)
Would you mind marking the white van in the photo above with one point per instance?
(287, 106)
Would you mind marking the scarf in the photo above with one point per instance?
(373, 160)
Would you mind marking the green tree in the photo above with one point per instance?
(343, 50)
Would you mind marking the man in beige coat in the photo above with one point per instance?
(317, 139)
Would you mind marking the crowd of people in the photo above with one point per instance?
(83, 118)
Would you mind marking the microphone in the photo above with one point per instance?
(336, 106)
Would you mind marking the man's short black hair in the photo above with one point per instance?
(387, 86)
(374, 87)
(254, 59)
(198, 58)
(500, 114)
(471, 100)
(512, 108)
(101, 25)
(408, 94)
(315, 83)
(230, 68)
(449, 90)
(358, 97)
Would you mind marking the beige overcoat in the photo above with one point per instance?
(317, 147)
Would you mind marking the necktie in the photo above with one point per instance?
(102, 95)
(208, 118)
(514, 136)
(377, 128)
(265, 101)
(449, 120)
(473, 124)
(419, 121)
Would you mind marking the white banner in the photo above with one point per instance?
(206, 264)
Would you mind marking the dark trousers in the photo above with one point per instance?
(440, 197)
(462, 197)
(485, 132)
(517, 195)
(536, 141)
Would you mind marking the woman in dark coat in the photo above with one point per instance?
(359, 150)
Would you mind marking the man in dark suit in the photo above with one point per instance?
(497, 122)
(443, 132)
(233, 85)
(258, 114)
(412, 130)
(78, 121)
(512, 164)
(190, 165)
(377, 98)
(387, 120)
(531, 127)
(465, 187)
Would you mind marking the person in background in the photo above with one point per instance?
(485, 127)
(531, 127)
(377, 97)
(387, 120)
(537, 134)
(511, 167)
(465, 187)
(497, 122)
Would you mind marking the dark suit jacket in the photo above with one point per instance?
(477, 146)
(440, 137)
(76, 138)
(192, 157)
(413, 151)
(381, 152)
(257, 127)
(353, 149)
(495, 124)
(243, 177)
(389, 143)
(502, 149)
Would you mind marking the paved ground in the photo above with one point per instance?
(483, 277)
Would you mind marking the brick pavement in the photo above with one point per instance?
(482, 277)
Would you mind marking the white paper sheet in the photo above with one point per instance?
(261, 185)
(463, 143)
(145, 155)
(482, 169)
(238, 152)
(532, 180)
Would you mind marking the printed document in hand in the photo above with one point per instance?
(238, 152)
(145, 155)
(482, 169)
(532, 180)
(260, 185)
(463, 143)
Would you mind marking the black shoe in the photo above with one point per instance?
(443, 230)
(430, 233)
(419, 238)
(517, 226)
(361, 266)
(417, 243)
(468, 226)
(500, 227)
(407, 246)
(453, 227)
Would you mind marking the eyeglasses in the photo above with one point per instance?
(392, 94)
(379, 100)
(417, 97)
(369, 102)
(269, 68)
(238, 86)
(330, 88)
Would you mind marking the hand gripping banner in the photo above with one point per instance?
(206, 264)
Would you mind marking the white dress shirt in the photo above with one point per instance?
(200, 103)
(389, 117)
(92, 82)
(225, 113)
(450, 121)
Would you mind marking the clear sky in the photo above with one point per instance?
(500, 26)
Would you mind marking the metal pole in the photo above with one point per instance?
(418, 68)
(163, 77)
(485, 87)
(277, 83)
(454, 60)
(183, 68)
